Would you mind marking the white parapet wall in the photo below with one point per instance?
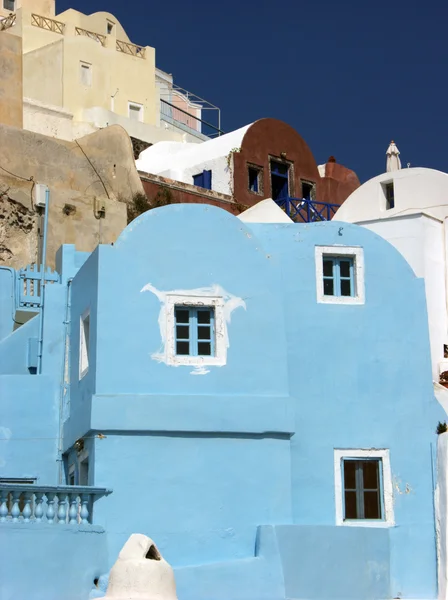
(441, 504)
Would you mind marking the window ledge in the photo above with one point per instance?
(366, 523)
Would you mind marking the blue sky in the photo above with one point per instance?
(348, 76)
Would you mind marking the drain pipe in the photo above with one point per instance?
(65, 380)
(42, 283)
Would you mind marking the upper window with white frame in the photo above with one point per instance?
(84, 344)
(9, 5)
(135, 111)
(195, 332)
(340, 275)
(363, 487)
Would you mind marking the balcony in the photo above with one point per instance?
(7, 22)
(62, 505)
(47, 23)
(304, 210)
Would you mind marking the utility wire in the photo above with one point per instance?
(17, 176)
(93, 167)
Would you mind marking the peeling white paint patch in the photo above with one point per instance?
(214, 296)
(5, 436)
(200, 371)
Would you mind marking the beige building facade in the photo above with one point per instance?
(82, 73)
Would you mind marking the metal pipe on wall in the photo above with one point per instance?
(42, 283)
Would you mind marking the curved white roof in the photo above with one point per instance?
(417, 190)
(166, 156)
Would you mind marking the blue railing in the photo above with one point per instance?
(29, 284)
(307, 211)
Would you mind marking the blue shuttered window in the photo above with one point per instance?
(362, 489)
(195, 331)
(339, 276)
(203, 180)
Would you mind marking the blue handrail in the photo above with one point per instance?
(307, 211)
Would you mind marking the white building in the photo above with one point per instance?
(409, 208)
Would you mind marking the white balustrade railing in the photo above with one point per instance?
(64, 505)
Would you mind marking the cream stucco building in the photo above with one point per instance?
(82, 72)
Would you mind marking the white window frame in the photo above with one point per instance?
(141, 111)
(355, 252)
(85, 67)
(215, 302)
(84, 346)
(387, 489)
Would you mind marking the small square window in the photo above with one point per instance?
(84, 344)
(194, 335)
(85, 74)
(110, 27)
(9, 5)
(389, 194)
(363, 488)
(255, 179)
(135, 111)
(340, 275)
(308, 190)
(195, 331)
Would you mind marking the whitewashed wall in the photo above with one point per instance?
(182, 161)
(421, 241)
(417, 227)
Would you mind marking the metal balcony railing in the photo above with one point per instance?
(178, 116)
(62, 504)
(303, 210)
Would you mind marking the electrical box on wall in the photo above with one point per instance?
(40, 194)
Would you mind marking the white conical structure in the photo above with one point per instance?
(393, 158)
(141, 573)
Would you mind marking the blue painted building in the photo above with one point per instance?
(257, 398)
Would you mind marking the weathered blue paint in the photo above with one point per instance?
(232, 472)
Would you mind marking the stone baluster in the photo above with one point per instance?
(38, 506)
(62, 508)
(50, 506)
(27, 512)
(85, 508)
(15, 511)
(73, 512)
(3, 505)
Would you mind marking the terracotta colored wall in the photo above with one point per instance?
(187, 194)
(338, 183)
(270, 137)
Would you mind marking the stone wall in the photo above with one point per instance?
(97, 171)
